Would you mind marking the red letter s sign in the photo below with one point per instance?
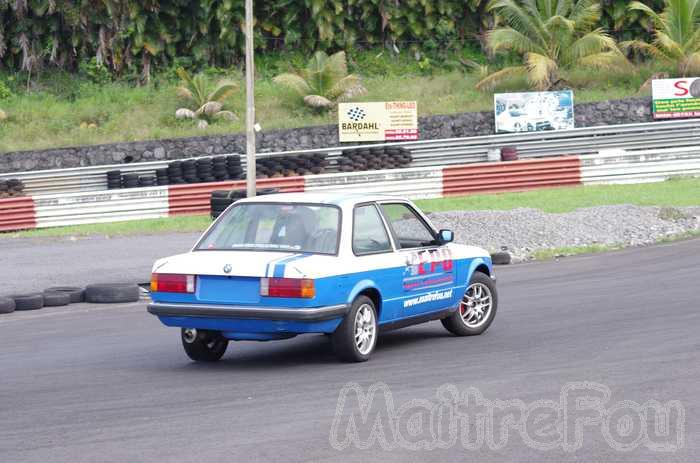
(681, 85)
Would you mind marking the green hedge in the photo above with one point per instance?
(132, 36)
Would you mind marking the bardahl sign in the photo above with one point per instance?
(378, 121)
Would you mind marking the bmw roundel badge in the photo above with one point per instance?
(227, 268)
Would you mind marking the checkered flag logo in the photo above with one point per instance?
(356, 114)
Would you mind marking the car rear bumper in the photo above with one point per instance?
(312, 314)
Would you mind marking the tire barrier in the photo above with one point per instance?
(58, 296)
(110, 293)
(222, 199)
(369, 159)
(7, 305)
(33, 301)
(196, 199)
(75, 294)
(500, 258)
(56, 299)
(200, 170)
(10, 188)
(414, 182)
(291, 166)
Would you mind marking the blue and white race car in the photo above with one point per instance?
(346, 265)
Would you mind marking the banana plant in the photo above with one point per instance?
(324, 81)
(205, 106)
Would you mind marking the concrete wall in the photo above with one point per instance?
(630, 110)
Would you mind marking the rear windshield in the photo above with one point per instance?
(312, 228)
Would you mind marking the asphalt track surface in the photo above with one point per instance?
(109, 383)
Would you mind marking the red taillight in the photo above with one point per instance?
(172, 283)
(287, 287)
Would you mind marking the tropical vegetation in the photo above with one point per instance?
(676, 41)
(113, 66)
(324, 81)
(553, 37)
(132, 37)
(205, 105)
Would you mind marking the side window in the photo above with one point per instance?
(368, 232)
(409, 229)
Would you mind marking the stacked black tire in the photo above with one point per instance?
(114, 179)
(11, 188)
(356, 160)
(201, 170)
(51, 297)
(221, 199)
(291, 166)
(162, 177)
(175, 173)
(64, 295)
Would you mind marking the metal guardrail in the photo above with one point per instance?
(444, 152)
(620, 166)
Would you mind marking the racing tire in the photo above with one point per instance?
(76, 294)
(110, 293)
(205, 346)
(477, 308)
(33, 301)
(7, 305)
(361, 321)
(56, 299)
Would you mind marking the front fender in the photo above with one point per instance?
(477, 261)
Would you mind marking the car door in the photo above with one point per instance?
(429, 277)
(376, 259)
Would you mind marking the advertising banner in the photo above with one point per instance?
(675, 98)
(533, 111)
(378, 121)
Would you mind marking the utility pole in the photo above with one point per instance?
(250, 100)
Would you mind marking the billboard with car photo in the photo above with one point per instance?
(534, 111)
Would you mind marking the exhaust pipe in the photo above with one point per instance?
(189, 335)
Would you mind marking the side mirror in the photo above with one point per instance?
(445, 236)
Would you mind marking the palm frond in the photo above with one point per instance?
(227, 115)
(223, 90)
(209, 108)
(541, 70)
(507, 38)
(185, 93)
(342, 86)
(293, 82)
(490, 82)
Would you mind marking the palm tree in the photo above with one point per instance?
(206, 106)
(677, 35)
(553, 37)
(325, 80)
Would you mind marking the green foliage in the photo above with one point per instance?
(5, 92)
(133, 37)
(676, 40)
(206, 105)
(95, 71)
(324, 81)
(552, 37)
